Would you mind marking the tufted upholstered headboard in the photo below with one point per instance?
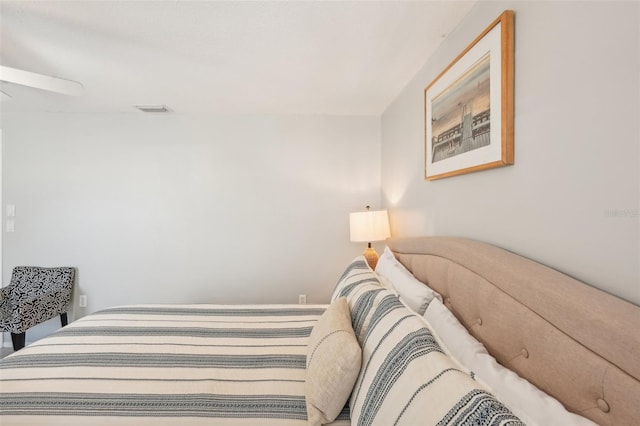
(577, 343)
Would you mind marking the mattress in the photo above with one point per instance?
(152, 364)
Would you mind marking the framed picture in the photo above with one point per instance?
(468, 108)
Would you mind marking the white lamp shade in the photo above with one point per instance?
(369, 226)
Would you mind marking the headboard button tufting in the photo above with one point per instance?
(479, 322)
(524, 353)
(603, 406)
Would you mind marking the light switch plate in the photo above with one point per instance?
(11, 210)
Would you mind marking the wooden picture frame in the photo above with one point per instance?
(468, 107)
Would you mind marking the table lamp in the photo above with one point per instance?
(369, 226)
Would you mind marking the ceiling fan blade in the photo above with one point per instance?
(40, 81)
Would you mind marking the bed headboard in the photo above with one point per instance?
(577, 343)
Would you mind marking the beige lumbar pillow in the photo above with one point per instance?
(333, 363)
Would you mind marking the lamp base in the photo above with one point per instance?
(372, 257)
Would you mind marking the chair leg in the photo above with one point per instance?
(63, 319)
(18, 340)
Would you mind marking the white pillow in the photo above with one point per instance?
(525, 400)
(384, 282)
(415, 294)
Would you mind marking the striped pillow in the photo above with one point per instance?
(362, 289)
(406, 379)
(358, 272)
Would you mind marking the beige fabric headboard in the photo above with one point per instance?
(577, 343)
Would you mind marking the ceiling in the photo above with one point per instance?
(226, 57)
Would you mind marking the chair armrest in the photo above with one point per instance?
(42, 299)
(40, 308)
(6, 290)
(4, 303)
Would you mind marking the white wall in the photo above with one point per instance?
(187, 208)
(572, 198)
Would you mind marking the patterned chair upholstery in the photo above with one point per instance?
(34, 295)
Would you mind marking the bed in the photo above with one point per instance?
(300, 364)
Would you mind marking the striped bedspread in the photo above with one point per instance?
(165, 365)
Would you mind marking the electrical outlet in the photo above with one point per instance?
(82, 301)
(302, 299)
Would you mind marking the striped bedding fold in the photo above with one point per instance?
(150, 364)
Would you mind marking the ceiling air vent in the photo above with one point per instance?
(153, 108)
